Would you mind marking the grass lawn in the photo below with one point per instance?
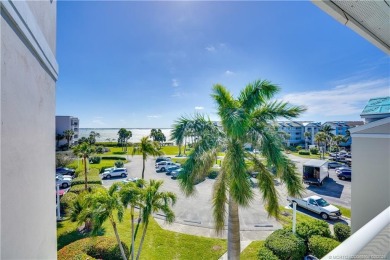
(286, 216)
(250, 252)
(311, 156)
(158, 244)
(78, 165)
(344, 211)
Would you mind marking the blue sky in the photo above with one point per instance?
(144, 64)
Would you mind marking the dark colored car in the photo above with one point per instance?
(171, 169)
(65, 171)
(334, 165)
(160, 159)
(344, 174)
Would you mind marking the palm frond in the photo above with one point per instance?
(220, 200)
(293, 180)
(257, 93)
(275, 109)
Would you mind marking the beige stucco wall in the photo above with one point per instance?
(27, 184)
(370, 192)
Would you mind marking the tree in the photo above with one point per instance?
(179, 131)
(124, 136)
(92, 137)
(155, 200)
(84, 150)
(327, 129)
(146, 148)
(337, 139)
(307, 135)
(131, 195)
(320, 138)
(59, 137)
(153, 134)
(246, 118)
(102, 205)
(68, 136)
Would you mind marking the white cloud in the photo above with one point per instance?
(199, 108)
(229, 73)
(210, 48)
(154, 116)
(341, 100)
(98, 122)
(175, 83)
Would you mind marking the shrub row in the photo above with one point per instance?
(266, 254)
(113, 158)
(320, 246)
(285, 245)
(310, 228)
(314, 151)
(92, 248)
(90, 180)
(80, 187)
(304, 152)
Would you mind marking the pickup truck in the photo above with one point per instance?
(317, 205)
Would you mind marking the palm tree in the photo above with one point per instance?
(59, 137)
(249, 117)
(68, 136)
(124, 136)
(155, 200)
(178, 133)
(337, 139)
(327, 129)
(131, 195)
(103, 204)
(84, 150)
(147, 148)
(320, 138)
(92, 137)
(307, 135)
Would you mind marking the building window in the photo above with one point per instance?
(297, 138)
(75, 136)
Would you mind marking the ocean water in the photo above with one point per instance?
(112, 133)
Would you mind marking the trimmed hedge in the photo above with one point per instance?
(113, 158)
(266, 254)
(92, 179)
(320, 246)
(67, 200)
(341, 231)
(80, 187)
(285, 245)
(213, 174)
(314, 151)
(304, 152)
(306, 229)
(92, 248)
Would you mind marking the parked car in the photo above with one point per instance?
(63, 182)
(116, 172)
(65, 171)
(334, 165)
(317, 205)
(164, 165)
(344, 173)
(65, 176)
(163, 158)
(175, 174)
(135, 179)
(171, 169)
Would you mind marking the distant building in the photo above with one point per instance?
(342, 128)
(295, 131)
(64, 123)
(312, 128)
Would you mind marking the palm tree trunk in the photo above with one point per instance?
(118, 240)
(233, 230)
(142, 240)
(132, 234)
(179, 149)
(85, 172)
(143, 168)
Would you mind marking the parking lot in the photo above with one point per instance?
(197, 210)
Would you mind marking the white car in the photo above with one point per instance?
(114, 172)
(164, 165)
(64, 182)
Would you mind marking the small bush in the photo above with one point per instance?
(119, 164)
(213, 174)
(67, 200)
(320, 246)
(63, 160)
(306, 229)
(341, 231)
(285, 245)
(95, 159)
(100, 149)
(266, 254)
(303, 152)
(92, 248)
(299, 147)
(292, 148)
(314, 151)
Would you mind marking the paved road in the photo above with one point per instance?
(195, 213)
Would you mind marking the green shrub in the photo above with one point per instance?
(107, 144)
(100, 149)
(92, 179)
(80, 187)
(306, 229)
(95, 159)
(119, 164)
(314, 150)
(299, 147)
(119, 153)
(266, 254)
(67, 200)
(333, 149)
(320, 246)
(341, 231)
(92, 248)
(292, 148)
(303, 152)
(113, 158)
(213, 174)
(285, 245)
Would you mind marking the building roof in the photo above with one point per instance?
(370, 19)
(377, 106)
(289, 124)
(354, 123)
